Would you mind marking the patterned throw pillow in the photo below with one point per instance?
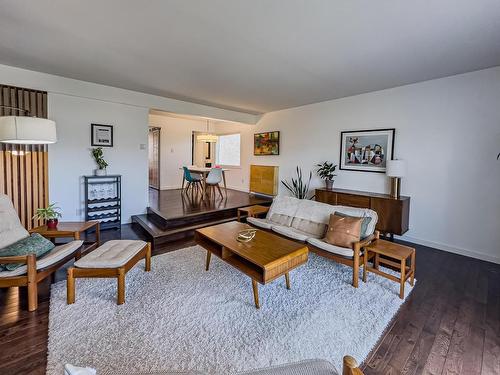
(34, 244)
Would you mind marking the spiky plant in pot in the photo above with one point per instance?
(297, 187)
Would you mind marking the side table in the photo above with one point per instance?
(397, 256)
(251, 211)
(71, 230)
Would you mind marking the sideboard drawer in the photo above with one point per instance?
(353, 200)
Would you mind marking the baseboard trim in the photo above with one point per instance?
(452, 249)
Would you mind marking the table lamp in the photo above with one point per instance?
(395, 170)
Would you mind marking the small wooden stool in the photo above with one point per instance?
(252, 211)
(113, 259)
(398, 255)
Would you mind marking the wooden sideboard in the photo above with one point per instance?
(393, 214)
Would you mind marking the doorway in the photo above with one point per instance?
(154, 157)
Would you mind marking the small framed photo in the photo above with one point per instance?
(101, 135)
(366, 150)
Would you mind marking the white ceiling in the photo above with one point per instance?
(252, 55)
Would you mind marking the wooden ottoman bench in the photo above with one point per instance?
(113, 259)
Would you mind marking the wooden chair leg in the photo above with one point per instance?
(220, 191)
(365, 265)
(148, 257)
(70, 287)
(32, 285)
(121, 286)
(402, 281)
(355, 268)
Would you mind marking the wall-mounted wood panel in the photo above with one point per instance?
(264, 179)
(24, 168)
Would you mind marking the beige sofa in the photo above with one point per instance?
(307, 221)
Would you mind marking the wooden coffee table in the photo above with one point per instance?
(70, 229)
(265, 258)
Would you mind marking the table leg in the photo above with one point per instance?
(183, 180)
(70, 287)
(255, 288)
(402, 281)
(98, 234)
(148, 257)
(121, 286)
(224, 179)
(207, 264)
(412, 279)
(287, 280)
(375, 265)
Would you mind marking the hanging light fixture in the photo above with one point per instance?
(207, 137)
(26, 130)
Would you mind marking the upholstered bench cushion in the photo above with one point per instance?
(113, 254)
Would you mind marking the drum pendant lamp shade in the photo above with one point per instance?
(27, 130)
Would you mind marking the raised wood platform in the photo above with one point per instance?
(173, 215)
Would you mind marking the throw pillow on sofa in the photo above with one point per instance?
(364, 223)
(34, 244)
(343, 231)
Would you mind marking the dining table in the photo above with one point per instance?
(204, 171)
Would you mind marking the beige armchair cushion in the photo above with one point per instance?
(11, 229)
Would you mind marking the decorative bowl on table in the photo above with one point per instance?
(246, 235)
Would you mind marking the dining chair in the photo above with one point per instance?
(193, 180)
(213, 180)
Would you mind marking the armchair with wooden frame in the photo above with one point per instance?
(32, 270)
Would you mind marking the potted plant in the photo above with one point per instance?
(297, 187)
(49, 214)
(98, 154)
(326, 172)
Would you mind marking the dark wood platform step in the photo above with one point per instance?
(157, 236)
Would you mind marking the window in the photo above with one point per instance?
(228, 149)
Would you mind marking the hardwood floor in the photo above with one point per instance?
(449, 325)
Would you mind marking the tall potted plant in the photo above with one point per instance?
(297, 187)
(326, 172)
(98, 156)
(49, 215)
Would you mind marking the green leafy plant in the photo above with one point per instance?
(297, 187)
(98, 154)
(48, 213)
(326, 170)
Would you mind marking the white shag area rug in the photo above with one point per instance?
(180, 317)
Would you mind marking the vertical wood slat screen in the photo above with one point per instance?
(24, 168)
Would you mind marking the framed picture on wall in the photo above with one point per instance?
(101, 135)
(266, 143)
(366, 150)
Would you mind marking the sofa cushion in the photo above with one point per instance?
(34, 244)
(54, 256)
(343, 251)
(283, 210)
(292, 233)
(11, 229)
(261, 223)
(360, 212)
(343, 231)
(312, 217)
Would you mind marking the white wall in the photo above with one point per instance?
(448, 131)
(70, 158)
